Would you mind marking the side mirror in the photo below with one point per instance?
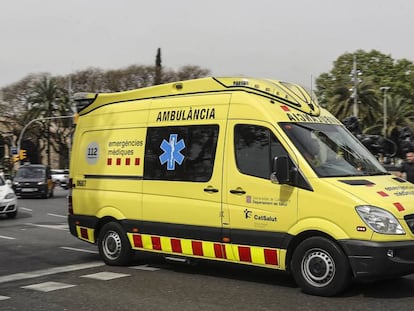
(281, 170)
(8, 182)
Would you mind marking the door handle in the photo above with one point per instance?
(210, 190)
(237, 191)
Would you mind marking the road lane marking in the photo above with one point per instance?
(80, 250)
(50, 271)
(57, 215)
(48, 286)
(7, 237)
(145, 268)
(105, 276)
(26, 209)
(57, 227)
(4, 297)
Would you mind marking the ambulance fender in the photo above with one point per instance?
(317, 224)
(110, 211)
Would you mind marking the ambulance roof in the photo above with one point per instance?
(287, 93)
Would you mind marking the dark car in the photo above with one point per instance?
(33, 180)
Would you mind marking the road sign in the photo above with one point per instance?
(13, 150)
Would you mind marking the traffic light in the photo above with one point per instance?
(75, 118)
(23, 154)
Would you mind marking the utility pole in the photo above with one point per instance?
(385, 89)
(355, 79)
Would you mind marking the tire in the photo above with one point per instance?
(114, 246)
(320, 267)
(46, 193)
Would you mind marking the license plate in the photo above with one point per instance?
(29, 189)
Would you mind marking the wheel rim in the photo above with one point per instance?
(112, 245)
(318, 267)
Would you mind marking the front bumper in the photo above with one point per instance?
(31, 191)
(8, 206)
(379, 260)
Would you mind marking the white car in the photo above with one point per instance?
(8, 199)
(61, 177)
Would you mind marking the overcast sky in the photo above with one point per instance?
(280, 39)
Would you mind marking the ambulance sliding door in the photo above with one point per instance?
(182, 188)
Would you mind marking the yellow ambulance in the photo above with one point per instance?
(247, 171)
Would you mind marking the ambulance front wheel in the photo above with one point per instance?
(320, 267)
(113, 245)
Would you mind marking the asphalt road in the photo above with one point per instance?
(43, 267)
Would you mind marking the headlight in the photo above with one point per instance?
(379, 220)
(40, 183)
(16, 183)
(10, 196)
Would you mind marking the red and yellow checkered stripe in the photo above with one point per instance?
(221, 251)
(85, 233)
(256, 255)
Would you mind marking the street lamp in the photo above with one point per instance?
(19, 140)
(385, 89)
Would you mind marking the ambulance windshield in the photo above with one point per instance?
(331, 150)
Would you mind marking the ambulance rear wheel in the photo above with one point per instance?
(320, 267)
(113, 245)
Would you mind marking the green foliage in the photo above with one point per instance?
(158, 68)
(375, 70)
(42, 96)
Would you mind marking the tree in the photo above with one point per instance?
(158, 68)
(50, 101)
(16, 96)
(400, 114)
(42, 101)
(41, 95)
(341, 102)
(192, 72)
(375, 70)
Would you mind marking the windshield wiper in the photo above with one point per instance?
(379, 173)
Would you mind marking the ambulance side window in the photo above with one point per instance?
(255, 148)
(180, 153)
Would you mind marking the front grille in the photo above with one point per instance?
(7, 208)
(409, 219)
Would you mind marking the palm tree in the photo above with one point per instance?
(62, 128)
(400, 114)
(369, 103)
(44, 101)
(341, 103)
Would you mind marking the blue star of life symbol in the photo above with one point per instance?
(172, 152)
